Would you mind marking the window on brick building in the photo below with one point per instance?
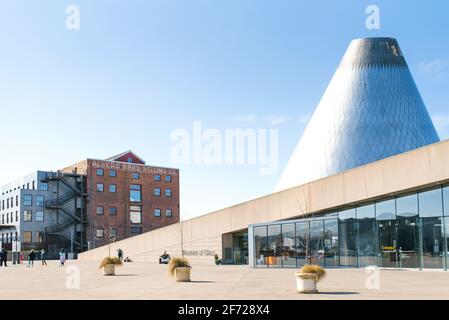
(27, 236)
(27, 216)
(99, 233)
(135, 193)
(168, 212)
(168, 192)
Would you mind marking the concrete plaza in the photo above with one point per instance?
(139, 280)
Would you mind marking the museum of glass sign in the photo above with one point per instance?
(404, 231)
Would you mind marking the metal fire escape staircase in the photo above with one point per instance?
(73, 225)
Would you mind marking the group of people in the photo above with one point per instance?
(32, 256)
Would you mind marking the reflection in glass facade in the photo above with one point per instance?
(407, 231)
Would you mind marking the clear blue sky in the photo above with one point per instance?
(136, 70)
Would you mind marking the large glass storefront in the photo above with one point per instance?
(406, 231)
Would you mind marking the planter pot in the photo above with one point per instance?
(306, 282)
(182, 274)
(109, 270)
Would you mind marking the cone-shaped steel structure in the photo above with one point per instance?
(371, 110)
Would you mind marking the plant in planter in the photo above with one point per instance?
(217, 260)
(179, 268)
(307, 278)
(108, 264)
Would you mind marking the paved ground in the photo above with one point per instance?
(151, 281)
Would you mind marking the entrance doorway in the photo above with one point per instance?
(399, 243)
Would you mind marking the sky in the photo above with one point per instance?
(139, 73)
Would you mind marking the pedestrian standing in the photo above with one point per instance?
(3, 257)
(120, 254)
(43, 254)
(31, 258)
(61, 258)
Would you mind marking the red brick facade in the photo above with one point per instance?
(111, 211)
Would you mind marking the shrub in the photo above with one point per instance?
(319, 271)
(110, 260)
(176, 263)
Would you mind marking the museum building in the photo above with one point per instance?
(368, 184)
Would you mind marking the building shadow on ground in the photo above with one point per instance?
(338, 292)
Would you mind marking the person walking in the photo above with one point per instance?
(3, 257)
(120, 254)
(31, 258)
(61, 258)
(43, 254)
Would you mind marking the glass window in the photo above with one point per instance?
(112, 173)
(44, 186)
(27, 216)
(113, 232)
(157, 177)
(27, 236)
(39, 237)
(317, 242)
(366, 212)
(261, 246)
(348, 214)
(135, 231)
(100, 172)
(302, 243)
(168, 212)
(274, 246)
(331, 214)
(167, 178)
(136, 175)
(39, 201)
(136, 214)
(135, 194)
(408, 242)
(157, 191)
(28, 200)
(288, 245)
(368, 238)
(386, 210)
(112, 211)
(446, 201)
(347, 236)
(168, 192)
(40, 216)
(331, 243)
(100, 187)
(407, 206)
(431, 203)
(433, 242)
(100, 233)
(113, 188)
(157, 212)
(100, 210)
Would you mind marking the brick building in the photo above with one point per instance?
(126, 197)
(87, 205)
